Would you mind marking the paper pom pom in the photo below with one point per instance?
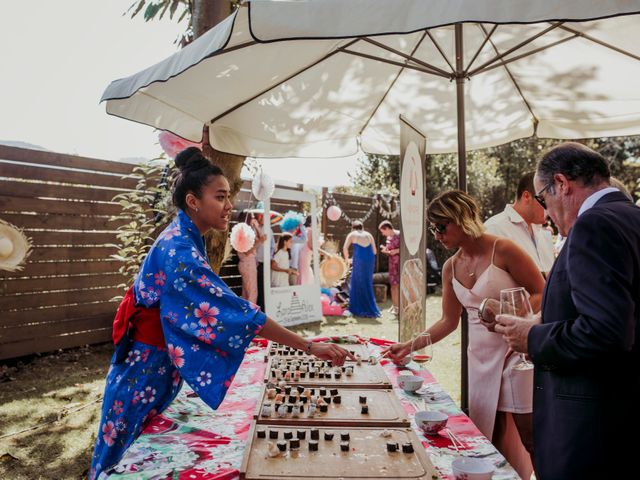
(262, 186)
(291, 221)
(242, 237)
(173, 144)
(334, 213)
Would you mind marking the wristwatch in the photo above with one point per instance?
(307, 347)
(481, 308)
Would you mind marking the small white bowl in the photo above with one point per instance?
(431, 422)
(410, 383)
(466, 468)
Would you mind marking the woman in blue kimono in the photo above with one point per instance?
(180, 321)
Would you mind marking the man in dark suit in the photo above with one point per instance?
(585, 342)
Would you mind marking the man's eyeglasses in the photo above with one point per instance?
(538, 196)
(438, 228)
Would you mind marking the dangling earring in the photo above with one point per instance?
(197, 209)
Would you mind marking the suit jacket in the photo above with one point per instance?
(586, 352)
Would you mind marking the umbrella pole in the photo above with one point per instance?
(462, 185)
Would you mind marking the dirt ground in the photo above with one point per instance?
(50, 404)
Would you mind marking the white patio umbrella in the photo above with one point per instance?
(317, 78)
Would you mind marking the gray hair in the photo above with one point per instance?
(576, 162)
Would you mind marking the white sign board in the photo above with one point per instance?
(296, 304)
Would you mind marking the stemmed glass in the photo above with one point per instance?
(515, 301)
(422, 353)
(421, 348)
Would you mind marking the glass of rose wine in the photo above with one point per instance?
(515, 301)
(421, 348)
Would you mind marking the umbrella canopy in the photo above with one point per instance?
(316, 78)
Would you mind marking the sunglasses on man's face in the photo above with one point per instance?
(438, 228)
(539, 198)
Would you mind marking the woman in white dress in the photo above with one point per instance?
(281, 263)
(500, 399)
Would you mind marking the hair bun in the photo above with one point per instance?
(191, 159)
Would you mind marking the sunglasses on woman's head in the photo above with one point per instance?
(438, 228)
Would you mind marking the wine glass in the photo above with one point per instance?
(421, 348)
(515, 301)
(422, 353)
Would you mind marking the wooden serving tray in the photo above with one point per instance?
(384, 409)
(364, 376)
(275, 349)
(366, 459)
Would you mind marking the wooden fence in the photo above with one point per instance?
(62, 298)
(63, 203)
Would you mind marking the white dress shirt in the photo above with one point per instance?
(539, 245)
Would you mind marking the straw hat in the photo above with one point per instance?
(333, 269)
(274, 216)
(14, 247)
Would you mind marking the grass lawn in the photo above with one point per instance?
(55, 398)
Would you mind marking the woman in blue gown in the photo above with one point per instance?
(182, 322)
(362, 302)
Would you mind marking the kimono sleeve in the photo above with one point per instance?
(206, 326)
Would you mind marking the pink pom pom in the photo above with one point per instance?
(173, 144)
(242, 237)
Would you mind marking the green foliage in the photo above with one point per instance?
(145, 210)
(492, 173)
(157, 9)
(375, 174)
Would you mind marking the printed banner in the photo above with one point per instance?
(413, 268)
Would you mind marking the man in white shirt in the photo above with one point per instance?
(522, 223)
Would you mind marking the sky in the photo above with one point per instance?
(59, 56)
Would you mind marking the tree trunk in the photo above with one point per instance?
(207, 14)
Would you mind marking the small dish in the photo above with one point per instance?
(410, 383)
(431, 422)
(466, 468)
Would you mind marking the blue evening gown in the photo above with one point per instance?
(362, 302)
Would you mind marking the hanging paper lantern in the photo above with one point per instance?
(173, 144)
(334, 213)
(262, 186)
(242, 237)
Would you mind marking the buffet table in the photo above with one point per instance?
(191, 441)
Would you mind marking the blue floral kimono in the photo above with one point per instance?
(207, 329)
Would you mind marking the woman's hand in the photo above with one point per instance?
(293, 271)
(397, 352)
(330, 351)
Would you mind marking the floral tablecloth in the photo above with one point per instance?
(191, 441)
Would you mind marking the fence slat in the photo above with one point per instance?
(39, 345)
(10, 287)
(66, 176)
(24, 189)
(10, 302)
(71, 253)
(23, 317)
(63, 268)
(49, 329)
(15, 204)
(17, 154)
(47, 237)
(62, 222)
